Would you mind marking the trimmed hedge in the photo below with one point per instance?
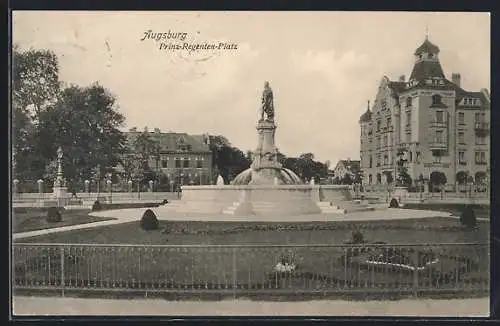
(54, 214)
(394, 203)
(96, 206)
(149, 221)
(468, 217)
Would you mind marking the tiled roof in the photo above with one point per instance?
(171, 141)
(426, 69)
(427, 47)
(349, 164)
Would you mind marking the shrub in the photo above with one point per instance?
(54, 215)
(468, 217)
(96, 206)
(357, 237)
(149, 220)
(394, 203)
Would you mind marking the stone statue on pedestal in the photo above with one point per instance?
(267, 107)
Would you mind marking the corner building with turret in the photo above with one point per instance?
(443, 130)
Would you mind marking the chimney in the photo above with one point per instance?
(455, 79)
(402, 78)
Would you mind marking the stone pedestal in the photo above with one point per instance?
(266, 154)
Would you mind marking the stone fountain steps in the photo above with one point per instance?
(344, 207)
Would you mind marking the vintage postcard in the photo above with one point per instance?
(250, 163)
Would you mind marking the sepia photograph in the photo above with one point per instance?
(250, 163)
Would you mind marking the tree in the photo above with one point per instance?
(84, 122)
(35, 85)
(35, 79)
(228, 160)
(347, 179)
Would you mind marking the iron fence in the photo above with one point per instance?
(245, 269)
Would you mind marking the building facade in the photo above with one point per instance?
(442, 129)
(179, 158)
(344, 167)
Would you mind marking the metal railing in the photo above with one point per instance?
(245, 269)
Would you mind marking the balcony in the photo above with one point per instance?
(438, 145)
(482, 128)
(438, 124)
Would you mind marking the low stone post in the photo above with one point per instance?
(40, 188)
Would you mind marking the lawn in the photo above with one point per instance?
(31, 219)
(410, 231)
(207, 265)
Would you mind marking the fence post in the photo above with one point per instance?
(234, 272)
(62, 270)
(415, 273)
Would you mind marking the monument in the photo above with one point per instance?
(265, 168)
(266, 190)
(60, 191)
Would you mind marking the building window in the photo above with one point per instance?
(408, 137)
(479, 117)
(408, 119)
(439, 117)
(379, 123)
(410, 159)
(378, 159)
(461, 138)
(461, 158)
(378, 142)
(186, 162)
(480, 157)
(164, 164)
(177, 162)
(436, 99)
(439, 136)
(371, 162)
(436, 157)
(370, 179)
(480, 140)
(386, 160)
(408, 101)
(389, 122)
(199, 163)
(461, 118)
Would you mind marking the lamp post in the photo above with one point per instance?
(129, 186)
(150, 185)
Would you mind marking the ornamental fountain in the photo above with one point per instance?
(266, 188)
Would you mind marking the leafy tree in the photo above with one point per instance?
(84, 122)
(347, 179)
(35, 79)
(35, 85)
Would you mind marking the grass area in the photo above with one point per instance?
(186, 268)
(410, 231)
(31, 219)
(481, 210)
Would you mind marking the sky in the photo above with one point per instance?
(323, 67)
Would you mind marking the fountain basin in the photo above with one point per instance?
(261, 200)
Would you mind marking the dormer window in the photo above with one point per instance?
(431, 55)
(436, 99)
(408, 101)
